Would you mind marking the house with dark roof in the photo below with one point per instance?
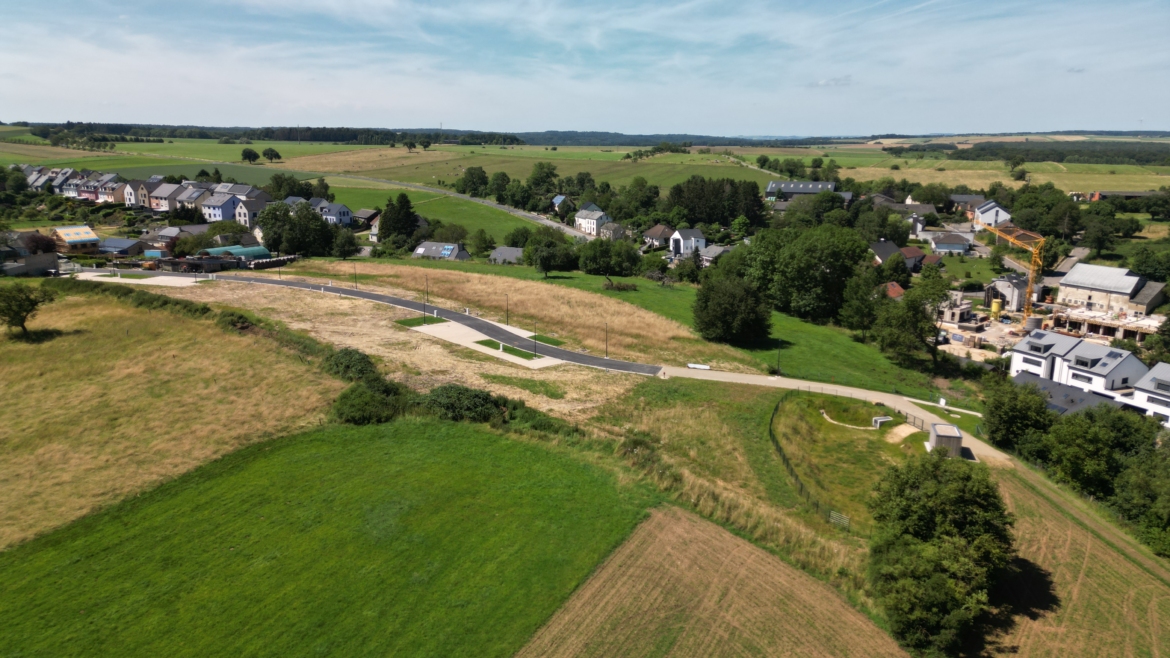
(786, 190)
(684, 241)
(506, 255)
(335, 213)
(441, 251)
(220, 207)
(1064, 399)
(883, 201)
(991, 214)
(367, 216)
(710, 253)
(882, 250)
(611, 231)
(590, 221)
(949, 243)
(658, 236)
(122, 247)
(966, 203)
(248, 211)
(193, 195)
(1110, 289)
(1011, 289)
(1095, 368)
(1152, 393)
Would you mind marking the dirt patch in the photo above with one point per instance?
(682, 586)
(367, 160)
(411, 357)
(899, 433)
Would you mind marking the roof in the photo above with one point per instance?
(658, 232)
(294, 200)
(191, 193)
(1097, 359)
(913, 252)
(932, 259)
(689, 234)
(894, 290)
(558, 199)
(219, 199)
(590, 206)
(946, 429)
(949, 238)
(798, 187)
(118, 243)
(612, 227)
(165, 190)
(254, 204)
(714, 251)
(1149, 381)
(195, 229)
(591, 214)
(247, 253)
(443, 250)
(1148, 292)
(968, 198)
(76, 234)
(1050, 343)
(367, 215)
(1063, 399)
(883, 249)
(332, 208)
(1013, 279)
(988, 206)
(1101, 277)
(507, 254)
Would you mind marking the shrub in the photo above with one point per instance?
(455, 402)
(619, 286)
(234, 321)
(371, 400)
(350, 364)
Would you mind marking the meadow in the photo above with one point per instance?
(447, 209)
(420, 537)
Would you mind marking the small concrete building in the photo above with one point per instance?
(1110, 289)
(946, 436)
(611, 231)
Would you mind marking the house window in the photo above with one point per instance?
(1033, 362)
(1158, 401)
(1039, 349)
(1082, 378)
(1125, 381)
(1163, 386)
(1082, 363)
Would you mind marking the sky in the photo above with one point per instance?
(688, 66)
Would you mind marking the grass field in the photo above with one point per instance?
(418, 538)
(508, 349)
(210, 149)
(548, 389)
(116, 399)
(682, 586)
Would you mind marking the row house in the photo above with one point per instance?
(112, 192)
(220, 207)
(248, 211)
(164, 197)
(1099, 369)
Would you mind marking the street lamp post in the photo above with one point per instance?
(607, 340)
(506, 309)
(426, 297)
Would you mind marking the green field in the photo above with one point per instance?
(447, 209)
(548, 389)
(508, 349)
(210, 149)
(419, 538)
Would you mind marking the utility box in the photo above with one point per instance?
(946, 436)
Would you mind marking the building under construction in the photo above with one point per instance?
(1101, 324)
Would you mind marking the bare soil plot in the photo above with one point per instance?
(1088, 589)
(682, 586)
(124, 399)
(414, 358)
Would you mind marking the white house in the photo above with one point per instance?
(686, 240)
(335, 213)
(589, 221)
(991, 214)
(220, 207)
(248, 211)
(1152, 393)
(1105, 371)
(948, 243)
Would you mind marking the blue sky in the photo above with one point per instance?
(695, 66)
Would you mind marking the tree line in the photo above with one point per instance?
(1085, 152)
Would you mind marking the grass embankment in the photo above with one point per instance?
(807, 351)
(110, 400)
(419, 538)
(420, 321)
(548, 389)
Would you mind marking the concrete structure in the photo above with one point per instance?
(946, 436)
(31, 265)
(1067, 360)
(1083, 322)
(502, 255)
(589, 221)
(957, 310)
(611, 231)
(1110, 289)
(1010, 288)
(684, 241)
(440, 251)
(122, 247)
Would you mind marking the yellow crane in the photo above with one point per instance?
(1030, 242)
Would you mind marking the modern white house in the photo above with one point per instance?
(686, 240)
(1105, 371)
(589, 221)
(1152, 393)
(991, 214)
(220, 207)
(335, 213)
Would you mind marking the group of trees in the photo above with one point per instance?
(1112, 455)
(795, 169)
(282, 186)
(1085, 152)
(302, 230)
(660, 148)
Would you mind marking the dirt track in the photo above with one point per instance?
(682, 586)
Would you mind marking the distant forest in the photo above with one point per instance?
(1111, 153)
(104, 131)
(578, 138)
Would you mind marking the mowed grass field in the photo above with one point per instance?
(447, 209)
(123, 399)
(419, 538)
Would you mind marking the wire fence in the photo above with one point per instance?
(832, 516)
(916, 422)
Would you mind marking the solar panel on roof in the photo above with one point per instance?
(447, 251)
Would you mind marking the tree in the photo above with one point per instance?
(474, 182)
(912, 325)
(271, 154)
(894, 269)
(729, 310)
(518, 237)
(249, 156)
(497, 185)
(482, 243)
(812, 271)
(409, 146)
(297, 230)
(740, 226)
(399, 218)
(863, 299)
(282, 186)
(943, 540)
(345, 244)
(424, 143)
(450, 233)
(192, 244)
(1015, 417)
(321, 190)
(1098, 235)
(543, 178)
(1090, 449)
(19, 304)
(39, 243)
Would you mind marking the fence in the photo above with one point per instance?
(833, 517)
(916, 422)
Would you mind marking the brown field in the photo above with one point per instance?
(1096, 593)
(682, 586)
(124, 399)
(37, 153)
(580, 316)
(411, 357)
(367, 160)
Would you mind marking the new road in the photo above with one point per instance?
(489, 329)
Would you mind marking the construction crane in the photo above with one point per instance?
(1030, 242)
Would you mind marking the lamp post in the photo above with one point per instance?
(534, 337)
(355, 276)
(607, 340)
(506, 309)
(426, 297)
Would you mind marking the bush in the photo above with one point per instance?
(371, 400)
(234, 321)
(619, 286)
(350, 365)
(729, 310)
(455, 402)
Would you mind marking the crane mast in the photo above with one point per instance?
(1030, 242)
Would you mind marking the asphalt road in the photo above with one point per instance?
(484, 327)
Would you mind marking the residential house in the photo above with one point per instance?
(1011, 289)
(709, 254)
(241, 191)
(990, 214)
(89, 189)
(917, 226)
(76, 240)
(785, 190)
(1064, 399)
(248, 210)
(220, 207)
(141, 192)
(163, 198)
(335, 213)
(122, 247)
(62, 177)
(589, 221)
(1099, 369)
(684, 241)
(894, 290)
(611, 231)
(957, 310)
(510, 255)
(657, 237)
(1152, 393)
(949, 243)
(112, 192)
(933, 259)
(557, 201)
(883, 250)
(1110, 289)
(914, 257)
(881, 200)
(441, 251)
(367, 216)
(71, 188)
(193, 195)
(966, 203)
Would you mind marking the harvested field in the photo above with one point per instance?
(1088, 589)
(580, 317)
(124, 399)
(416, 359)
(682, 586)
(366, 160)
